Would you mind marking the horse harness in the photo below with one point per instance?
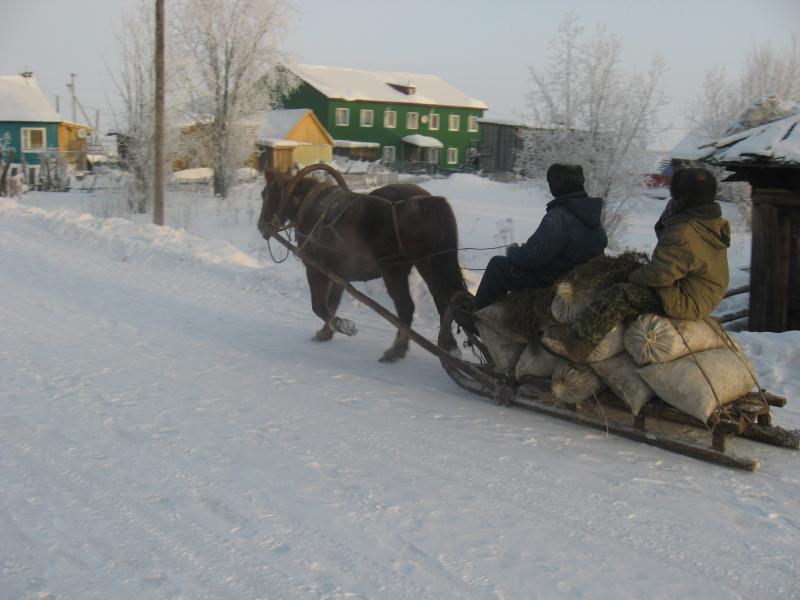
(334, 203)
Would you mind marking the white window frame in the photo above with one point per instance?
(342, 117)
(415, 116)
(389, 154)
(453, 122)
(390, 119)
(432, 155)
(434, 122)
(26, 139)
(472, 124)
(452, 156)
(367, 117)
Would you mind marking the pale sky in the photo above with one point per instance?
(485, 48)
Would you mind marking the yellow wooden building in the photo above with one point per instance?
(292, 137)
(72, 140)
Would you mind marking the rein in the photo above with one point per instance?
(276, 223)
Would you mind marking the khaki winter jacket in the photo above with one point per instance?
(689, 267)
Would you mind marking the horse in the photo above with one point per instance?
(361, 237)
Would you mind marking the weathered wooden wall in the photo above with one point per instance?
(499, 147)
(775, 261)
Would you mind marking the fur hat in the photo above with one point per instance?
(693, 187)
(563, 178)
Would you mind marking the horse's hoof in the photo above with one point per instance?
(392, 355)
(323, 335)
(345, 326)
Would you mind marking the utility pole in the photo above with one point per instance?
(158, 174)
(71, 86)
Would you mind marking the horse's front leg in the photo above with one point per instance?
(396, 280)
(325, 299)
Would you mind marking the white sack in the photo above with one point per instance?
(569, 303)
(573, 383)
(619, 374)
(535, 361)
(611, 345)
(681, 383)
(504, 346)
(652, 338)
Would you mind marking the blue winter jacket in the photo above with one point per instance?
(570, 233)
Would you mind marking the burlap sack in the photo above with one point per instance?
(619, 374)
(611, 345)
(682, 384)
(652, 338)
(569, 302)
(535, 362)
(503, 345)
(572, 384)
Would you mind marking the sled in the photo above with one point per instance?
(748, 417)
(657, 424)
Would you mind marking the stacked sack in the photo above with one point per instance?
(691, 365)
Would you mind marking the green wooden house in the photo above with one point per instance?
(405, 116)
(28, 123)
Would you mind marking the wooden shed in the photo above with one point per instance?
(768, 157)
(500, 144)
(295, 136)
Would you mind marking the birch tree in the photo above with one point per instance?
(767, 72)
(585, 108)
(227, 54)
(135, 84)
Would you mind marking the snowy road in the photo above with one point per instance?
(167, 430)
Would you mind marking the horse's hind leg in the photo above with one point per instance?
(441, 297)
(396, 280)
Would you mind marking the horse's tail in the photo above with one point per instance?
(446, 274)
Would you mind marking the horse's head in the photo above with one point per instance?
(270, 220)
(282, 193)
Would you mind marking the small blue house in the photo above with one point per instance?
(28, 123)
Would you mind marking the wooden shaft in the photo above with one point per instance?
(485, 380)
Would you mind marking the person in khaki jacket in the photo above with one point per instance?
(686, 277)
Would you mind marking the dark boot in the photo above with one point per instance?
(464, 311)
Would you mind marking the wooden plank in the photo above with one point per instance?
(651, 438)
(743, 289)
(734, 316)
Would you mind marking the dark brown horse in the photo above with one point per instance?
(365, 236)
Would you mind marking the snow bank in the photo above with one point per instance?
(129, 241)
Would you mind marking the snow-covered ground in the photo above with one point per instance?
(167, 430)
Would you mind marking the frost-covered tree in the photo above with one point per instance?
(227, 55)
(767, 72)
(135, 84)
(585, 108)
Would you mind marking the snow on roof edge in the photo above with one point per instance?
(350, 84)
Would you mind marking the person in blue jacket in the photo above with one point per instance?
(570, 233)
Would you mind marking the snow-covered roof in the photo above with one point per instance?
(767, 131)
(502, 121)
(197, 175)
(776, 142)
(423, 141)
(277, 142)
(22, 100)
(383, 86)
(278, 124)
(354, 144)
(693, 146)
